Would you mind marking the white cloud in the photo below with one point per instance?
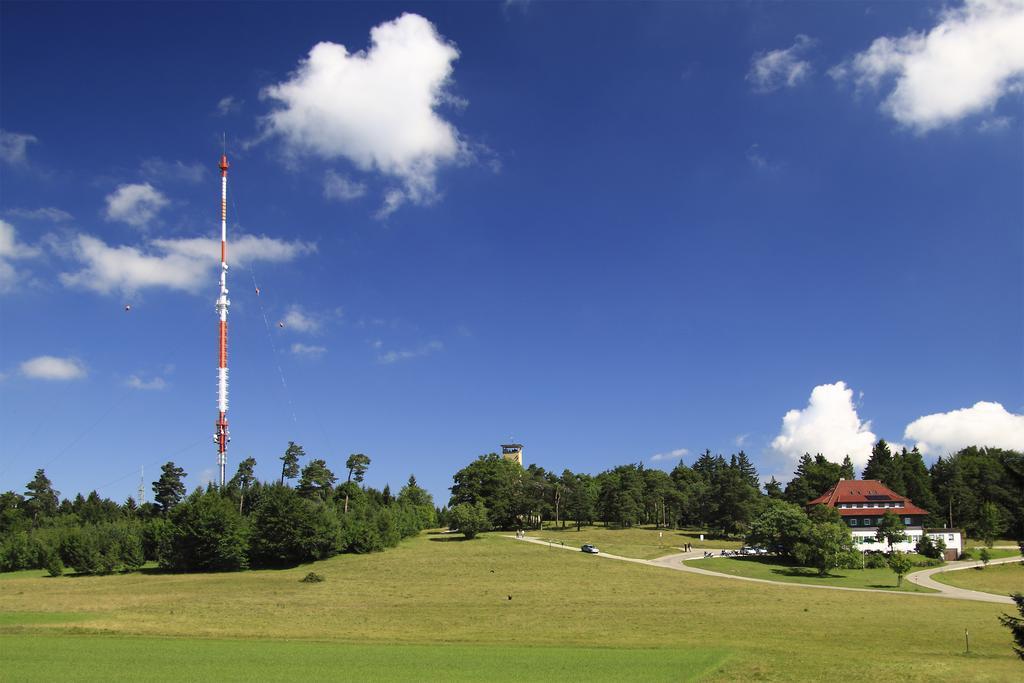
(339, 187)
(983, 424)
(46, 213)
(996, 124)
(53, 368)
(242, 250)
(828, 425)
(136, 204)
(155, 384)
(160, 169)
(741, 440)
(961, 66)
(393, 199)
(389, 357)
(228, 105)
(300, 321)
(671, 455)
(13, 146)
(376, 107)
(776, 69)
(11, 250)
(182, 264)
(307, 350)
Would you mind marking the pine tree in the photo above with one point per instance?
(169, 489)
(918, 484)
(243, 479)
(316, 480)
(747, 469)
(40, 499)
(357, 465)
(290, 461)
(847, 471)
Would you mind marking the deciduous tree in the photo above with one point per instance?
(468, 519)
(900, 564)
(891, 530)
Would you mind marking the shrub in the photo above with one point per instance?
(206, 533)
(900, 564)
(54, 565)
(288, 529)
(99, 548)
(931, 547)
(312, 577)
(929, 562)
(875, 561)
(16, 552)
(469, 519)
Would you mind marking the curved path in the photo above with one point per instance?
(922, 578)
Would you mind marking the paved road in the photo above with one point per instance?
(924, 578)
(675, 562)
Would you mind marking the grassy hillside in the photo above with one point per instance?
(772, 569)
(1003, 579)
(435, 591)
(639, 542)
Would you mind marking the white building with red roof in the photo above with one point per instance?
(862, 503)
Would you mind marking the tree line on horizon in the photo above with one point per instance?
(978, 489)
(246, 523)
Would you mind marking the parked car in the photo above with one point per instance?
(587, 548)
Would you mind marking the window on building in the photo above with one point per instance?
(853, 522)
(951, 537)
(867, 521)
(907, 520)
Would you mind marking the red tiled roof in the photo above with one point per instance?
(907, 509)
(865, 491)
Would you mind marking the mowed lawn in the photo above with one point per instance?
(1003, 579)
(645, 543)
(438, 608)
(773, 569)
(994, 553)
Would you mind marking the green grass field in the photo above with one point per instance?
(770, 568)
(1003, 579)
(639, 542)
(994, 553)
(436, 607)
(130, 658)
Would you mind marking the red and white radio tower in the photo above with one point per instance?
(223, 436)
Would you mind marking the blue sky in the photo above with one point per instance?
(613, 232)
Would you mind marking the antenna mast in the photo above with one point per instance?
(142, 484)
(223, 436)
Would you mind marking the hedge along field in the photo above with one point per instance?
(435, 590)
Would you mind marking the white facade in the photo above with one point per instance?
(864, 540)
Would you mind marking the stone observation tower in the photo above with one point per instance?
(513, 451)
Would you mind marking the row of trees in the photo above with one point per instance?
(714, 494)
(246, 523)
(979, 489)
